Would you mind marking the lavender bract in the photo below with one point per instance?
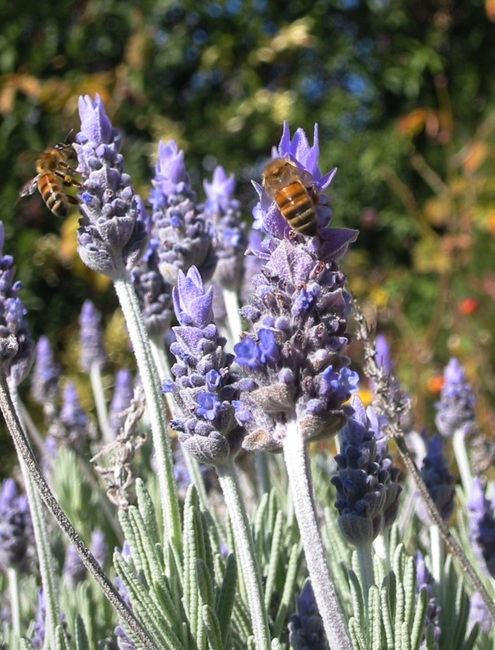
(298, 312)
(112, 233)
(204, 385)
(366, 482)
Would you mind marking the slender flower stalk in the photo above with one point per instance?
(92, 358)
(112, 237)
(297, 464)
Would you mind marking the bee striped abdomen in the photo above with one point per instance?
(51, 191)
(297, 207)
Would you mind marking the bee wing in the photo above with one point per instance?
(305, 178)
(30, 187)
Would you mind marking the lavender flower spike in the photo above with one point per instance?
(482, 528)
(367, 482)
(112, 233)
(204, 385)
(456, 405)
(306, 627)
(92, 350)
(16, 528)
(184, 233)
(231, 232)
(12, 321)
(438, 480)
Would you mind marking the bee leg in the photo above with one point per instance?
(72, 199)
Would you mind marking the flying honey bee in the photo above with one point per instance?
(54, 175)
(293, 191)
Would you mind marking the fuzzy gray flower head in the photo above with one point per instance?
(231, 232)
(112, 233)
(184, 232)
(366, 482)
(204, 385)
(16, 346)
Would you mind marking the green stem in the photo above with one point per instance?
(15, 609)
(100, 404)
(152, 390)
(41, 488)
(297, 464)
(246, 554)
(366, 570)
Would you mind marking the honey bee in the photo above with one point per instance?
(293, 191)
(54, 174)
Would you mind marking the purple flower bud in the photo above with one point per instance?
(367, 483)
(455, 410)
(16, 346)
(112, 233)
(383, 355)
(481, 530)
(16, 529)
(92, 350)
(306, 630)
(438, 480)
(121, 400)
(231, 232)
(204, 387)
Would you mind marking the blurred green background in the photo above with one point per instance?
(404, 95)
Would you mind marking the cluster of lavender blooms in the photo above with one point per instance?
(289, 368)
